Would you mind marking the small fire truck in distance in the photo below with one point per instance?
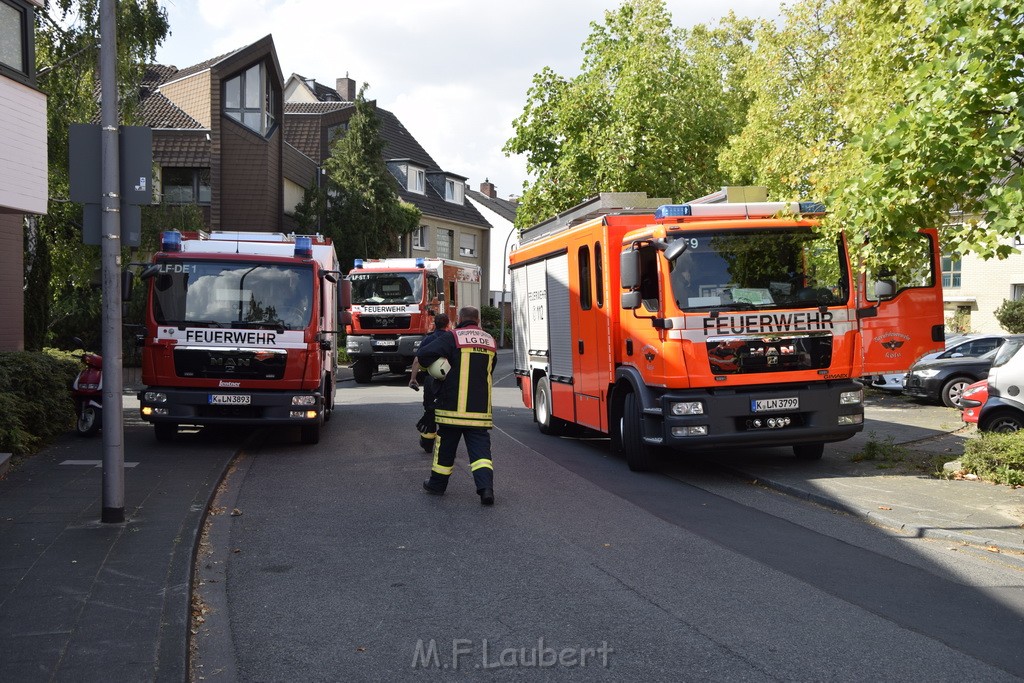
(241, 328)
(711, 324)
(392, 306)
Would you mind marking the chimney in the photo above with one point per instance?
(346, 87)
(487, 189)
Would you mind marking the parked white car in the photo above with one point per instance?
(957, 346)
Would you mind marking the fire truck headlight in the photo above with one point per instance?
(849, 398)
(851, 419)
(304, 400)
(692, 430)
(155, 397)
(351, 345)
(687, 408)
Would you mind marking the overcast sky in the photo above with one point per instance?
(455, 72)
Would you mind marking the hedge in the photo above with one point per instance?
(35, 398)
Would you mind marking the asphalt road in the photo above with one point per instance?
(334, 565)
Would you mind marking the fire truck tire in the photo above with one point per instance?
(165, 431)
(362, 370)
(310, 434)
(640, 456)
(809, 451)
(325, 391)
(546, 422)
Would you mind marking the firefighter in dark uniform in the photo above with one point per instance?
(426, 426)
(463, 408)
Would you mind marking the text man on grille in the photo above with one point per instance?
(463, 407)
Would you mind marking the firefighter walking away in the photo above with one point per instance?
(463, 406)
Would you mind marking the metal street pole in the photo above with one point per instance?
(504, 272)
(110, 261)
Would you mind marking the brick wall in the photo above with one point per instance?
(12, 307)
(250, 180)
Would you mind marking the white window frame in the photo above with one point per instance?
(445, 238)
(453, 191)
(417, 180)
(256, 99)
(419, 238)
(467, 244)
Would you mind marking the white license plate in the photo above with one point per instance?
(768, 405)
(384, 342)
(230, 399)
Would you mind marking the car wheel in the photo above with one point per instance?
(362, 370)
(640, 456)
(1003, 421)
(953, 389)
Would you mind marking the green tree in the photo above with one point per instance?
(365, 215)
(1010, 315)
(67, 54)
(648, 112)
(310, 209)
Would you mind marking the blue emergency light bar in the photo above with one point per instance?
(304, 247)
(420, 263)
(812, 207)
(170, 240)
(358, 263)
(672, 211)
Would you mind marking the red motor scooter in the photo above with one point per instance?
(87, 392)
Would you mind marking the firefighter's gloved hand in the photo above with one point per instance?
(414, 385)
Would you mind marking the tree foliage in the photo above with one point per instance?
(1010, 315)
(365, 215)
(649, 111)
(67, 39)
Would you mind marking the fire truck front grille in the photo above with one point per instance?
(746, 355)
(243, 412)
(230, 363)
(385, 322)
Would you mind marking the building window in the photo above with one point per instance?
(950, 271)
(16, 38)
(467, 244)
(453, 191)
(416, 183)
(185, 185)
(419, 237)
(444, 243)
(1018, 292)
(249, 98)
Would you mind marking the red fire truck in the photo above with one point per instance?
(393, 302)
(710, 324)
(241, 328)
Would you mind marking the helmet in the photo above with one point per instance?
(439, 368)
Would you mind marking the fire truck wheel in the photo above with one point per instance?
(362, 370)
(640, 456)
(310, 434)
(165, 431)
(325, 391)
(546, 422)
(809, 451)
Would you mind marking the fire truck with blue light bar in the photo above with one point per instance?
(240, 328)
(726, 322)
(390, 306)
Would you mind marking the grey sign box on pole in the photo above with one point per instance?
(135, 144)
(84, 164)
(91, 219)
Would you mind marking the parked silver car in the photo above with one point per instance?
(957, 346)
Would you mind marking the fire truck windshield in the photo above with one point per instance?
(233, 294)
(387, 288)
(759, 269)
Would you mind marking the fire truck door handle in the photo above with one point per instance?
(579, 342)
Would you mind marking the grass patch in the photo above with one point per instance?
(886, 454)
(996, 457)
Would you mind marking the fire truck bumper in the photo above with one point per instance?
(768, 416)
(213, 406)
(383, 348)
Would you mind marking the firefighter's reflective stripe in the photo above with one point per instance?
(482, 462)
(438, 467)
(463, 419)
(466, 353)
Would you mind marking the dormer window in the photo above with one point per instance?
(453, 191)
(417, 180)
(249, 98)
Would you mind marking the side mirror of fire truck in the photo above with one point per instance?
(127, 284)
(674, 249)
(629, 270)
(345, 302)
(150, 271)
(630, 300)
(885, 289)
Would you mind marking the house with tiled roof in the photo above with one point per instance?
(219, 142)
(23, 165)
(451, 226)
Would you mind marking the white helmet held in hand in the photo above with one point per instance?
(439, 368)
